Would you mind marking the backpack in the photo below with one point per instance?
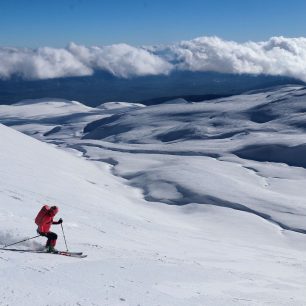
(41, 214)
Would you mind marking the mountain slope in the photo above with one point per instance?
(245, 143)
(208, 249)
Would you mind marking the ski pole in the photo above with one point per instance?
(64, 237)
(20, 241)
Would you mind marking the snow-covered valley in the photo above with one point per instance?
(174, 204)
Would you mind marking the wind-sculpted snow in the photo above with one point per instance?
(53, 131)
(276, 56)
(159, 196)
(216, 119)
(292, 156)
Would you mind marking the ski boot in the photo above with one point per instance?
(51, 249)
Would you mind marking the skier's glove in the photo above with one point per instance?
(60, 221)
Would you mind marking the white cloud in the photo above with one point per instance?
(277, 56)
(41, 63)
(121, 60)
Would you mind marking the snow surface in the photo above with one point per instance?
(175, 204)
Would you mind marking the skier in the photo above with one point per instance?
(44, 220)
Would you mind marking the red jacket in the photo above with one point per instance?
(47, 221)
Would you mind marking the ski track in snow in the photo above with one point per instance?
(189, 204)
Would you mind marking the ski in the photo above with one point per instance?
(70, 254)
(64, 253)
(67, 252)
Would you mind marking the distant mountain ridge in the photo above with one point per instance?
(104, 87)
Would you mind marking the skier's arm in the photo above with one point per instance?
(60, 221)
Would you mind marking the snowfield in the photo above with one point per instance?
(174, 204)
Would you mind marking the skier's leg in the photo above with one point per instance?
(51, 239)
(44, 235)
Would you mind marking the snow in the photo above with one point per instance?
(174, 204)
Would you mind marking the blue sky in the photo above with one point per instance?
(34, 23)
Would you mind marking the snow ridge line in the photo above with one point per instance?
(214, 201)
(79, 147)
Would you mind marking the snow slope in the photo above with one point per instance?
(246, 144)
(172, 205)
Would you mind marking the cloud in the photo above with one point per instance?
(41, 63)
(277, 56)
(121, 60)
